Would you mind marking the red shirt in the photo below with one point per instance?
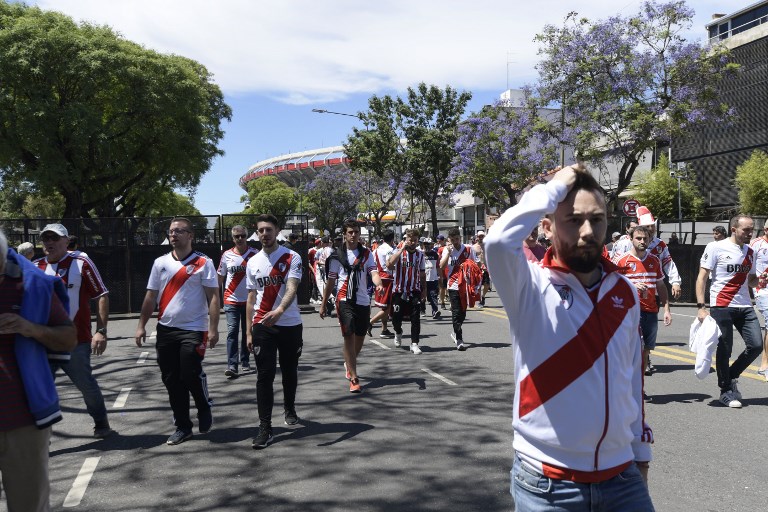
(14, 411)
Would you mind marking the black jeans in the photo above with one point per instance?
(746, 322)
(180, 356)
(409, 305)
(458, 313)
(267, 342)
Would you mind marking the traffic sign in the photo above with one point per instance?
(630, 207)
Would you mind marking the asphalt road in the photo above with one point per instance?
(429, 432)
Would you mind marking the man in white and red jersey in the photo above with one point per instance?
(321, 255)
(383, 298)
(644, 270)
(84, 284)
(453, 256)
(431, 262)
(347, 270)
(580, 434)
(315, 292)
(409, 287)
(480, 253)
(657, 247)
(273, 278)
(760, 246)
(232, 278)
(731, 265)
(443, 281)
(184, 286)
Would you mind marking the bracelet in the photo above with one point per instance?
(701, 305)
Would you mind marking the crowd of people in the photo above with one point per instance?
(583, 318)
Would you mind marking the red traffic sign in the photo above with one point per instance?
(630, 207)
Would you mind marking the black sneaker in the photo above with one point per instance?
(179, 437)
(370, 328)
(245, 367)
(386, 333)
(231, 372)
(263, 438)
(437, 315)
(101, 429)
(205, 421)
(290, 416)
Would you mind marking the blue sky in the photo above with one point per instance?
(276, 61)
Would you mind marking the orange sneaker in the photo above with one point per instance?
(354, 385)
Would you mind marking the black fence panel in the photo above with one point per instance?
(687, 258)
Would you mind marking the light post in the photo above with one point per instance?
(323, 111)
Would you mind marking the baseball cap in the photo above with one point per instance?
(615, 234)
(644, 216)
(318, 242)
(480, 233)
(428, 241)
(59, 229)
(441, 237)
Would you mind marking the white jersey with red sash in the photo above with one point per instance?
(232, 265)
(407, 272)
(455, 259)
(268, 275)
(361, 257)
(181, 298)
(760, 247)
(729, 267)
(578, 409)
(83, 284)
(381, 255)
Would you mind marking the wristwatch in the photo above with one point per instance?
(701, 305)
(102, 331)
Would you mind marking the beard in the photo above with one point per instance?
(580, 260)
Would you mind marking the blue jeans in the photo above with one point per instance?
(534, 492)
(236, 326)
(78, 369)
(649, 327)
(746, 322)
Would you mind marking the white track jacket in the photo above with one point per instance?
(578, 405)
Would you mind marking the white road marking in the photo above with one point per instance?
(122, 398)
(142, 357)
(377, 342)
(80, 484)
(153, 334)
(438, 376)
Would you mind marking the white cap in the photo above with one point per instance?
(480, 233)
(59, 229)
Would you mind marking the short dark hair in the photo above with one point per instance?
(388, 235)
(350, 223)
(719, 230)
(412, 232)
(267, 217)
(293, 236)
(454, 232)
(185, 221)
(642, 229)
(736, 218)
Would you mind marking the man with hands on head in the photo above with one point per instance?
(409, 287)
(184, 286)
(272, 279)
(574, 320)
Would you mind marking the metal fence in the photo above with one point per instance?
(123, 249)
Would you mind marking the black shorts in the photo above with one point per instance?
(353, 319)
(486, 277)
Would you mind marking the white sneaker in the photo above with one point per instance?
(415, 348)
(459, 343)
(735, 389)
(728, 399)
(398, 339)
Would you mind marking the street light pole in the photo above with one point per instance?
(323, 111)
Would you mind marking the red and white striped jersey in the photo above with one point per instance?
(657, 247)
(455, 259)
(647, 271)
(381, 255)
(338, 272)
(232, 265)
(407, 272)
(181, 298)
(268, 274)
(729, 265)
(760, 246)
(83, 284)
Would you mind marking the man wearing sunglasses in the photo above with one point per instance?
(184, 286)
(83, 282)
(232, 279)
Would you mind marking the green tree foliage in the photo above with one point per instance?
(270, 195)
(658, 191)
(331, 197)
(752, 183)
(20, 199)
(167, 203)
(627, 82)
(430, 117)
(100, 119)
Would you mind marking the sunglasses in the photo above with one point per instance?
(178, 231)
(53, 237)
(237, 237)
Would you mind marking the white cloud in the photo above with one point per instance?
(310, 51)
